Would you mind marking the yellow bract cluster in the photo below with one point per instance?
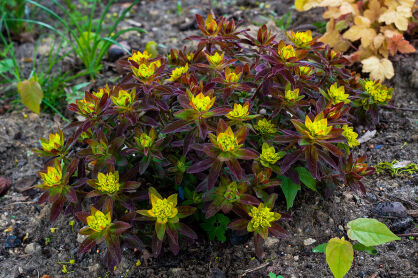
(52, 177)
(85, 107)
(261, 218)
(268, 155)
(145, 140)
(351, 136)
(231, 192)
(300, 39)
(286, 52)
(108, 183)
(145, 69)
(304, 70)
(319, 127)
(163, 209)
(210, 24)
(291, 96)
(337, 94)
(124, 99)
(140, 58)
(55, 142)
(98, 221)
(101, 92)
(265, 127)
(231, 77)
(379, 93)
(202, 103)
(177, 72)
(215, 59)
(227, 141)
(239, 112)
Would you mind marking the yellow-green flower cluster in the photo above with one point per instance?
(201, 102)
(177, 72)
(124, 99)
(145, 69)
(139, 57)
(291, 96)
(164, 209)
(261, 218)
(101, 92)
(98, 221)
(231, 77)
(215, 59)
(227, 141)
(55, 142)
(108, 183)
(379, 92)
(52, 177)
(319, 127)
(337, 94)
(239, 112)
(269, 156)
(351, 136)
(305, 70)
(145, 140)
(301, 39)
(85, 107)
(286, 52)
(232, 192)
(265, 127)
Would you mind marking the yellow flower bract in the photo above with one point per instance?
(227, 141)
(301, 39)
(108, 183)
(319, 127)
(268, 155)
(265, 127)
(52, 177)
(291, 96)
(145, 141)
(98, 221)
(55, 142)
(261, 218)
(351, 136)
(239, 112)
(177, 72)
(215, 59)
(163, 209)
(337, 94)
(379, 93)
(286, 52)
(124, 98)
(201, 102)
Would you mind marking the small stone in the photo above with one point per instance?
(115, 51)
(337, 199)
(176, 270)
(80, 238)
(33, 248)
(348, 196)
(394, 209)
(296, 258)
(341, 227)
(309, 241)
(400, 225)
(94, 268)
(271, 241)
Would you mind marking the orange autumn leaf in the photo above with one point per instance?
(333, 38)
(361, 30)
(398, 43)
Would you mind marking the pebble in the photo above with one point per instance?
(80, 238)
(400, 225)
(94, 268)
(271, 241)
(32, 248)
(115, 51)
(394, 209)
(309, 241)
(296, 258)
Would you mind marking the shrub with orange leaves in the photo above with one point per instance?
(378, 25)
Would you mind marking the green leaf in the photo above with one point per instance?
(6, 65)
(290, 190)
(339, 254)
(216, 226)
(360, 247)
(31, 94)
(160, 230)
(306, 178)
(370, 232)
(320, 248)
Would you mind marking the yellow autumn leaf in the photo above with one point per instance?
(399, 16)
(304, 5)
(333, 38)
(361, 30)
(379, 69)
(31, 94)
(378, 41)
(374, 10)
(343, 9)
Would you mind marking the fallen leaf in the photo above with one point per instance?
(398, 16)
(5, 185)
(398, 43)
(379, 69)
(374, 10)
(333, 38)
(367, 136)
(31, 94)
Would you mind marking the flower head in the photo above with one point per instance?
(286, 52)
(201, 102)
(215, 59)
(144, 140)
(265, 127)
(101, 92)
(177, 72)
(144, 72)
(261, 218)
(351, 136)
(210, 25)
(227, 141)
(305, 71)
(378, 92)
(301, 39)
(52, 177)
(232, 192)
(163, 209)
(98, 221)
(291, 96)
(231, 77)
(269, 156)
(55, 142)
(85, 107)
(124, 99)
(239, 112)
(337, 94)
(319, 127)
(108, 183)
(140, 58)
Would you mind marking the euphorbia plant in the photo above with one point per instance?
(224, 126)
